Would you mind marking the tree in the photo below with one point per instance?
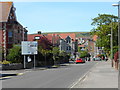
(46, 53)
(104, 19)
(55, 52)
(15, 54)
(103, 25)
(45, 43)
(63, 56)
(83, 54)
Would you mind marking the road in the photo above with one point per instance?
(62, 77)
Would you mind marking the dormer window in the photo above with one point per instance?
(37, 37)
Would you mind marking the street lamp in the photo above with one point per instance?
(111, 45)
(118, 5)
(23, 40)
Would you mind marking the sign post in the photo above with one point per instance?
(34, 61)
(24, 62)
(29, 48)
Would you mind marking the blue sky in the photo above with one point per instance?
(61, 16)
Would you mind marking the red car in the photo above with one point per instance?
(80, 60)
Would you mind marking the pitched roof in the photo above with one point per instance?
(82, 45)
(95, 37)
(5, 8)
(64, 35)
(31, 36)
(52, 37)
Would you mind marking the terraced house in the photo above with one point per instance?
(11, 31)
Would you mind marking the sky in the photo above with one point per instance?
(61, 16)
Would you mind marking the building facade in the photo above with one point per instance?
(65, 41)
(42, 40)
(11, 31)
(68, 43)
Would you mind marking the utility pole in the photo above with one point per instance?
(111, 45)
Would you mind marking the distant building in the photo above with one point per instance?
(65, 41)
(43, 41)
(11, 31)
(68, 43)
(83, 43)
(97, 50)
(54, 39)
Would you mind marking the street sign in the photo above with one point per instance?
(29, 47)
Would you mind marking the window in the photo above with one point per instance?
(61, 48)
(10, 39)
(18, 41)
(36, 37)
(68, 48)
(68, 41)
(18, 31)
(9, 34)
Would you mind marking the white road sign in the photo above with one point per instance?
(29, 47)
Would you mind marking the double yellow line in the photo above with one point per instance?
(11, 76)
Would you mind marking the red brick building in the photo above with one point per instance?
(11, 31)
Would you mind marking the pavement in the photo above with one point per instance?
(102, 75)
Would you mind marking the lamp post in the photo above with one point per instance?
(118, 5)
(24, 40)
(111, 45)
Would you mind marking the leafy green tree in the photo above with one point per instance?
(104, 19)
(55, 52)
(15, 54)
(63, 56)
(103, 25)
(46, 53)
(83, 54)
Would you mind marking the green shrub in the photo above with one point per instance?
(5, 62)
(15, 54)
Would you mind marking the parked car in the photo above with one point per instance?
(80, 60)
(97, 59)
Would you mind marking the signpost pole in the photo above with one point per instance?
(34, 61)
(24, 62)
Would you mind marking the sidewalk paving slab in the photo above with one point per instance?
(101, 76)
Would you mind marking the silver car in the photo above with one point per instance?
(97, 59)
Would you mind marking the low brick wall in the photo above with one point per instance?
(16, 66)
(12, 66)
